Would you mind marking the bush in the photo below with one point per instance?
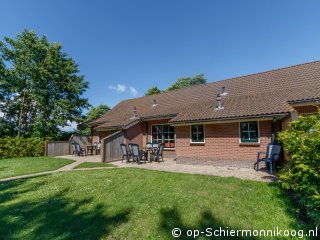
(302, 175)
(21, 147)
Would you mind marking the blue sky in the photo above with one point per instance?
(125, 47)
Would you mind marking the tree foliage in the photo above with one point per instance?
(153, 90)
(96, 112)
(302, 142)
(187, 82)
(93, 113)
(40, 86)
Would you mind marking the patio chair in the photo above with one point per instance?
(272, 155)
(137, 154)
(159, 153)
(125, 153)
(80, 151)
(74, 149)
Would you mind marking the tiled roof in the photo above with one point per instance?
(263, 93)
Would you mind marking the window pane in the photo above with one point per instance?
(200, 137)
(200, 129)
(253, 127)
(245, 136)
(171, 136)
(244, 126)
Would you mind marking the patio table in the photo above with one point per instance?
(149, 150)
(91, 149)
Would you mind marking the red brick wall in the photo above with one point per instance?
(221, 142)
(103, 134)
(135, 134)
(306, 109)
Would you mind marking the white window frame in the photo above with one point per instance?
(175, 142)
(258, 129)
(204, 134)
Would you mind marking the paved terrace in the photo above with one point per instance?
(170, 165)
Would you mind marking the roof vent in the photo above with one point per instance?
(134, 113)
(223, 92)
(154, 103)
(219, 103)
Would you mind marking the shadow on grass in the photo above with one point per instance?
(170, 219)
(54, 217)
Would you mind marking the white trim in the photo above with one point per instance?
(174, 134)
(249, 143)
(204, 135)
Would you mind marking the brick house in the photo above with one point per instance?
(225, 122)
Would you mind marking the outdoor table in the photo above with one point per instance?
(91, 149)
(149, 149)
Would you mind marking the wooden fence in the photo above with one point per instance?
(57, 148)
(110, 147)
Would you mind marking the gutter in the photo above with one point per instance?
(233, 119)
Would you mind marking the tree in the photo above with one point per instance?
(97, 112)
(302, 175)
(153, 90)
(93, 113)
(42, 88)
(187, 82)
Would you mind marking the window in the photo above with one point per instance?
(163, 134)
(249, 132)
(197, 134)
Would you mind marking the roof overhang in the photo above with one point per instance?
(306, 102)
(118, 127)
(232, 120)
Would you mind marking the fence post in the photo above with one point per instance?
(45, 148)
(102, 149)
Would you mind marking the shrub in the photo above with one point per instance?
(21, 147)
(302, 175)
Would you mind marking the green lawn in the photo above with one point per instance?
(94, 164)
(21, 166)
(137, 204)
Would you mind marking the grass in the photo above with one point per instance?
(21, 166)
(94, 165)
(137, 204)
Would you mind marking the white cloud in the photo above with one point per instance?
(118, 88)
(1, 114)
(72, 126)
(133, 91)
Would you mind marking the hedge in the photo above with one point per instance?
(21, 147)
(302, 176)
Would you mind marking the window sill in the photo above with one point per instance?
(249, 144)
(169, 149)
(197, 143)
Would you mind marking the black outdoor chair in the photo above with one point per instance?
(125, 153)
(74, 149)
(272, 155)
(137, 154)
(80, 151)
(159, 153)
